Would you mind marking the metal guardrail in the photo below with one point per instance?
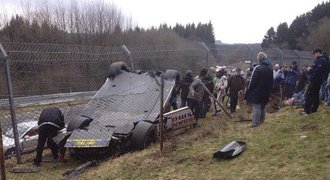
(47, 99)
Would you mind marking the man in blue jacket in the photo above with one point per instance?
(290, 80)
(317, 74)
(259, 89)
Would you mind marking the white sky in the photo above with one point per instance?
(234, 21)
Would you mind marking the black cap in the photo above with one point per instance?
(317, 50)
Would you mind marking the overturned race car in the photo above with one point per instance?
(124, 115)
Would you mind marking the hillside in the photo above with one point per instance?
(287, 146)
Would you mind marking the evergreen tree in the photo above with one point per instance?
(269, 38)
(282, 33)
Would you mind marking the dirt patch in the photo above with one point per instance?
(274, 146)
(310, 126)
(181, 160)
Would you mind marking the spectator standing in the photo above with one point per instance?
(236, 84)
(328, 90)
(317, 74)
(258, 92)
(276, 93)
(220, 87)
(290, 80)
(196, 93)
(184, 86)
(206, 101)
(248, 77)
(303, 80)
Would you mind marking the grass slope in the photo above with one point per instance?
(287, 146)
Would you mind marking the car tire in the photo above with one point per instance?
(143, 135)
(172, 75)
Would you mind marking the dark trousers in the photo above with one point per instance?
(288, 91)
(233, 103)
(174, 106)
(194, 105)
(312, 97)
(47, 133)
(183, 101)
(204, 106)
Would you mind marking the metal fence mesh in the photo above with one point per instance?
(68, 76)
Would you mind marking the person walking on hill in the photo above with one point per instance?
(259, 89)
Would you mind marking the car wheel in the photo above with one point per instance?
(143, 135)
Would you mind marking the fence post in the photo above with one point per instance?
(299, 57)
(128, 53)
(3, 55)
(281, 55)
(161, 116)
(2, 159)
(207, 54)
(251, 55)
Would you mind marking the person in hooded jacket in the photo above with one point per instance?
(50, 122)
(259, 89)
(184, 86)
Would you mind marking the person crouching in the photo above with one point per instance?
(51, 121)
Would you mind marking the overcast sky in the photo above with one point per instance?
(234, 21)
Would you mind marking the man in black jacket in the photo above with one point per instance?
(259, 89)
(236, 84)
(317, 74)
(184, 86)
(50, 122)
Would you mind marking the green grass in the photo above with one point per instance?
(287, 146)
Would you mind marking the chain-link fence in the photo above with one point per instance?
(74, 78)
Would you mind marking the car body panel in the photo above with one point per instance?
(28, 137)
(120, 103)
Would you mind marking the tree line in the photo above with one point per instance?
(306, 32)
(95, 24)
(91, 23)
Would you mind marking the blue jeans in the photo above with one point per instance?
(328, 95)
(323, 91)
(259, 114)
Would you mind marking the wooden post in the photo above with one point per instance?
(215, 99)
